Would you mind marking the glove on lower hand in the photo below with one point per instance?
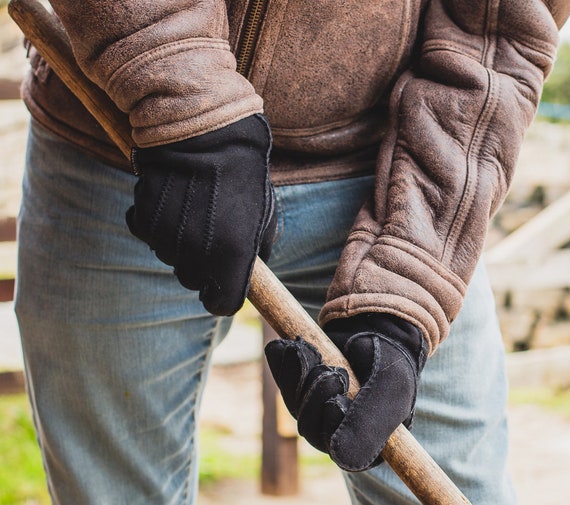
(386, 354)
(205, 205)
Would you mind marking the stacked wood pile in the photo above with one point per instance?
(13, 128)
(528, 254)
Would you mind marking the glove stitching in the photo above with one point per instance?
(269, 192)
(390, 365)
(415, 366)
(307, 394)
(134, 163)
(267, 213)
(190, 187)
(400, 347)
(339, 404)
(267, 210)
(359, 396)
(212, 211)
(285, 345)
(164, 192)
(306, 366)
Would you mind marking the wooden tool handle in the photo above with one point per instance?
(289, 319)
(267, 294)
(402, 452)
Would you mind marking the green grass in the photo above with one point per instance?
(22, 479)
(555, 400)
(217, 463)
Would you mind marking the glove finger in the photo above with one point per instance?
(360, 353)
(154, 218)
(290, 362)
(227, 283)
(224, 290)
(190, 275)
(334, 411)
(320, 393)
(191, 264)
(140, 230)
(230, 252)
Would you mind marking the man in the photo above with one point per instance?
(395, 128)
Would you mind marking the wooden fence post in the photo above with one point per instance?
(279, 457)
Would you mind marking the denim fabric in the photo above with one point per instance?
(117, 352)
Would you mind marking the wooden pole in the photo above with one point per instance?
(12, 383)
(279, 448)
(272, 300)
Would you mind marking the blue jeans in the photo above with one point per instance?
(117, 352)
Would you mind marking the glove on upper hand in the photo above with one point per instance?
(386, 354)
(205, 205)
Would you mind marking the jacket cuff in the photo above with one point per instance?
(395, 277)
(203, 91)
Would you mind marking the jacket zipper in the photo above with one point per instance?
(248, 39)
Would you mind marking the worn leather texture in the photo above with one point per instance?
(458, 122)
(435, 96)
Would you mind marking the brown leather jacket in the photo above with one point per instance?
(433, 95)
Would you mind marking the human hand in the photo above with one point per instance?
(205, 205)
(386, 354)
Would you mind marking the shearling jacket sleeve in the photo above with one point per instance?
(458, 119)
(168, 65)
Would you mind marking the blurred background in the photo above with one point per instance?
(249, 458)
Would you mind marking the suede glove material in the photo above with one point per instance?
(205, 206)
(386, 354)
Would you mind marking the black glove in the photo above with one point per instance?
(205, 205)
(386, 354)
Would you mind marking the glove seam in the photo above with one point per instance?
(262, 226)
(212, 214)
(395, 344)
(184, 215)
(157, 212)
